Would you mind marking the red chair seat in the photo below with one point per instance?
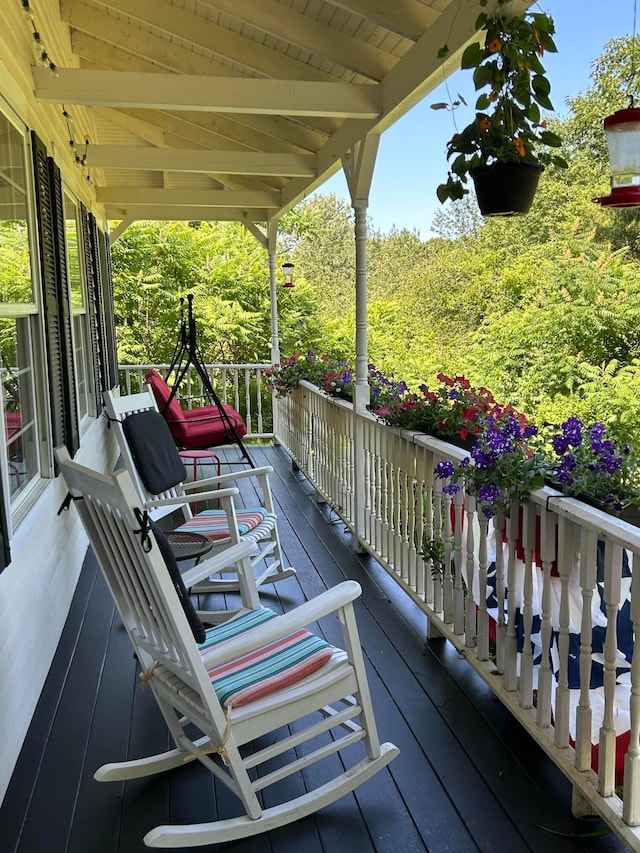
(195, 428)
(204, 427)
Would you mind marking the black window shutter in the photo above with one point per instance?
(94, 304)
(111, 349)
(57, 311)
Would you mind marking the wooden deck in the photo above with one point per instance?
(468, 777)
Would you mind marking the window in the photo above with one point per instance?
(19, 322)
(80, 320)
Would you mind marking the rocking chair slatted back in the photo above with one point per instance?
(179, 672)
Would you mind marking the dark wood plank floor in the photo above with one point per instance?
(468, 777)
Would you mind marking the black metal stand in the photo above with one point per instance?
(186, 355)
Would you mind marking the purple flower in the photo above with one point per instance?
(451, 489)
(572, 429)
(560, 444)
(489, 494)
(444, 470)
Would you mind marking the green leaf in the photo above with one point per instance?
(444, 51)
(541, 88)
(481, 19)
(472, 55)
(548, 137)
(483, 102)
(483, 76)
(535, 65)
(445, 191)
(441, 105)
(544, 102)
(540, 85)
(459, 166)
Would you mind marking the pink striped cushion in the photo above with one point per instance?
(213, 522)
(266, 669)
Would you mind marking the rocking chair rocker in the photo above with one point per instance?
(244, 681)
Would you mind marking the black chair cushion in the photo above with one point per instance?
(197, 628)
(154, 451)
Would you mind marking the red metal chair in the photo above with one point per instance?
(197, 429)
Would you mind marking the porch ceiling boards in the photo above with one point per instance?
(258, 99)
(468, 777)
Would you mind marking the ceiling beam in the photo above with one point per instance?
(175, 213)
(135, 196)
(195, 160)
(235, 133)
(405, 18)
(207, 94)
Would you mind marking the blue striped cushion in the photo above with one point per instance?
(213, 522)
(266, 669)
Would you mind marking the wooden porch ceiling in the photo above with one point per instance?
(237, 109)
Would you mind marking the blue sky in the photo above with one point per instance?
(412, 155)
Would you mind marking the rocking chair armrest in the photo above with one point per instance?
(217, 494)
(230, 476)
(219, 562)
(330, 601)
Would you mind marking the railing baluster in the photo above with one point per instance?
(438, 537)
(612, 588)
(565, 568)
(429, 524)
(584, 713)
(545, 676)
(526, 660)
(501, 628)
(631, 799)
(468, 609)
(483, 613)
(511, 636)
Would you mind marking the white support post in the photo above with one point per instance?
(358, 165)
(272, 234)
(269, 241)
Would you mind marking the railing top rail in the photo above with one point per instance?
(216, 365)
(345, 404)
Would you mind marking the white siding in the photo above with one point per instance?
(35, 593)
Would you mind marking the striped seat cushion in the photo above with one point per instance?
(266, 669)
(213, 523)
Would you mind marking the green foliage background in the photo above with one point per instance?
(543, 309)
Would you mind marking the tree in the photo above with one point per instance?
(156, 264)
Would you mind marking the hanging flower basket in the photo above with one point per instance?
(506, 188)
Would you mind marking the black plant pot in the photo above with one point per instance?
(506, 189)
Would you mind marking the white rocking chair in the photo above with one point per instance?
(230, 524)
(213, 685)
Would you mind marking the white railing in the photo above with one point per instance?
(243, 386)
(558, 612)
